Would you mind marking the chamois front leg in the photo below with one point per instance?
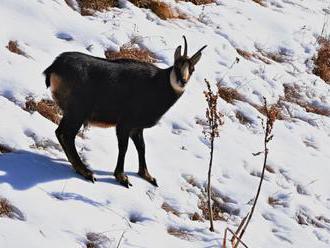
(66, 133)
(122, 136)
(137, 137)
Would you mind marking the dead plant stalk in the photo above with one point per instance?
(214, 120)
(271, 115)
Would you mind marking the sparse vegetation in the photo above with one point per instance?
(214, 121)
(169, 209)
(89, 7)
(200, 2)
(5, 149)
(271, 116)
(97, 240)
(161, 9)
(260, 2)
(14, 48)
(10, 211)
(47, 108)
(229, 94)
(179, 233)
(292, 94)
(321, 60)
(131, 52)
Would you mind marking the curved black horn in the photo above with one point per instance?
(195, 58)
(185, 46)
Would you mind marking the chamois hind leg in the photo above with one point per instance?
(122, 136)
(66, 133)
(137, 137)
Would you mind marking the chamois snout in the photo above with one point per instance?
(184, 66)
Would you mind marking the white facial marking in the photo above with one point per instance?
(175, 84)
(185, 72)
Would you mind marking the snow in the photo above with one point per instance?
(60, 208)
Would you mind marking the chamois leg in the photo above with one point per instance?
(137, 137)
(66, 133)
(122, 136)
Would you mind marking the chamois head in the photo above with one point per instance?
(183, 67)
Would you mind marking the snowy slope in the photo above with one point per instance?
(60, 208)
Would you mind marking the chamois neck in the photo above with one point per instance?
(173, 82)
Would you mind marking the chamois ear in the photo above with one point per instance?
(196, 57)
(177, 53)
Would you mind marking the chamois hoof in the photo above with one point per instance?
(146, 176)
(123, 180)
(87, 174)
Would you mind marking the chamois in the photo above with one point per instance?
(125, 93)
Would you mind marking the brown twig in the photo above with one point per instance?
(214, 120)
(271, 115)
(224, 244)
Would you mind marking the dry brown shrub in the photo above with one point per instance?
(161, 9)
(229, 94)
(179, 233)
(129, 52)
(5, 149)
(260, 2)
(89, 7)
(249, 56)
(200, 2)
(169, 209)
(97, 240)
(14, 48)
(276, 202)
(47, 108)
(242, 118)
(322, 62)
(244, 54)
(291, 94)
(10, 211)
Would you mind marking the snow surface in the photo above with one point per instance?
(60, 208)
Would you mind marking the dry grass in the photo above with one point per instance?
(161, 9)
(89, 7)
(169, 209)
(46, 108)
(14, 48)
(249, 56)
(260, 2)
(228, 94)
(10, 211)
(242, 118)
(292, 94)
(321, 61)
(97, 240)
(5, 149)
(200, 2)
(130, 52)
(179, 233)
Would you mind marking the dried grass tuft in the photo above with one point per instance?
(10, 211)
(14, 48)
(97, 240)
(179, 233)
(200, 2)
(230, 95)
(89, 7)
(130, 52)
(5, 149)
(292, 94)
(169, 209)
(47, 108)
(322, 61)
(260, 2)
(161, 9)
